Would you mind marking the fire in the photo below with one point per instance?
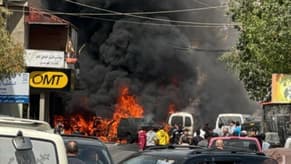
(172, 108)
(126, 107)
(104, 129)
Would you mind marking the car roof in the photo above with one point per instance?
(182, 154)
(82, 139)
(12, 131)
(234, 137)
(9, 121)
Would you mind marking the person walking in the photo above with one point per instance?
(151, 137)
(265, 145)
(237, 129)
(197, 138)
(175, 134)
(72, 152)
(141, 139)
(218, 130)
(185, 138)
(163, 137)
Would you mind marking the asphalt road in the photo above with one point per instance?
(121, 151)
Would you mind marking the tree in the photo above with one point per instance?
(264, 45)
(11, 53)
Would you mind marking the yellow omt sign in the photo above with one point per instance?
(46, 79)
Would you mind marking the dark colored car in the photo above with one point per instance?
(90, 149)
(128, 128)
(195, 155)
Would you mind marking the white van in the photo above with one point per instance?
(183, 119)
(225, 118)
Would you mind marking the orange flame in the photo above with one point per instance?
(104, 129)
(172, 108)
(126, 107)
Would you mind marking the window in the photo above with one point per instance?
(91, 153)
(145, 159)
(44, 151)
(239, 145)
(177, 120)
(187, 121)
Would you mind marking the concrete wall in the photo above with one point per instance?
(16, 25)
(11, 110)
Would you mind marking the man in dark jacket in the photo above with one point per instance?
(196, 139)
(72, 152)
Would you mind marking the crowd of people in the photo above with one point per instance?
(201, 136)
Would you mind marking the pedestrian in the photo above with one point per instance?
(163, 136)
(218, 130)
(197, 138)
(237, 129)
(72, 152)
(219, 144)
(185, 138)
(244, 133)
(59, 129)
(206, 128)
(204, 142)
(175, 134)
(151, 137)
(225, 132)
(231, 127)
(265, 144)
(141, 139)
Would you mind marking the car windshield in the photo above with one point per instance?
(146, 159)
(225, 120)
(93, 154)
(44, 151)
(231, 160)
(239, 145)
(177, 120)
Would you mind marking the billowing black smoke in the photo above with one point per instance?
(155, 59)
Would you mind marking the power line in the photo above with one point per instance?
(132, 22)
(153, 24)
(136, 13)
(149, 18)
(136, 22)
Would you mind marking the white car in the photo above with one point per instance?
(27, 146)
(9, 121)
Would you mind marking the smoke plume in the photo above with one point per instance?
(157, 60)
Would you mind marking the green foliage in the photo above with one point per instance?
(11, 54)
(264, 45)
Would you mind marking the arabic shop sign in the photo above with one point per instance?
(44, 58)
(15, 89)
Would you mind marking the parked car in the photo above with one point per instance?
(238, 143)
(90, 145)
(27, 146)
(195, 155)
